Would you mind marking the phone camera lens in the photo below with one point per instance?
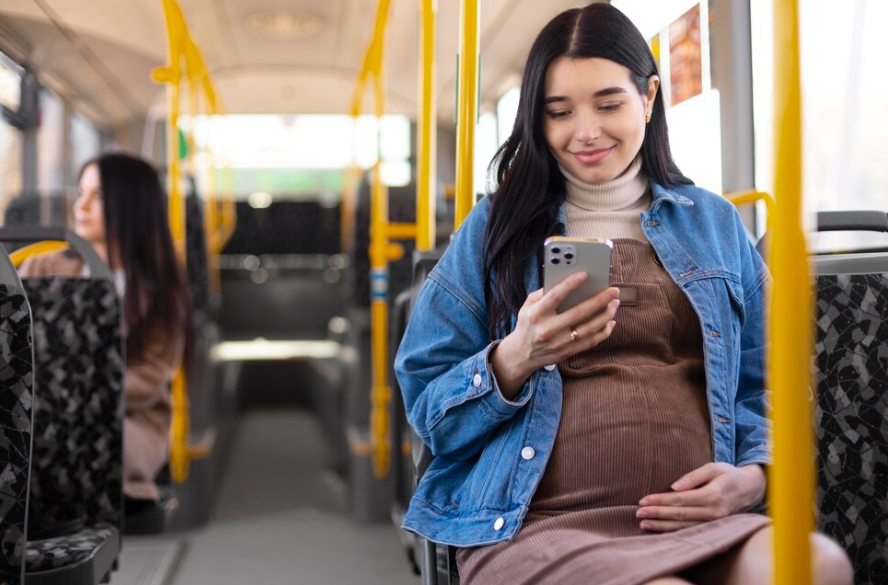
(556, 250)
(568, 255)
(556, 261)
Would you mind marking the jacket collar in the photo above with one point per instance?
(660, 195)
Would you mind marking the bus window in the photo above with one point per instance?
(85, 142)
(50, 134)
(844, 123)
(11, 147)
(10, 163)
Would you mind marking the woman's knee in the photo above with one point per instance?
(831, 564)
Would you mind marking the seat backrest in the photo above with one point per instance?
(32, 208)
(77, 469)
(197, 265)
(423, 263)
(77, 464)
(851, 349)
(16, 419)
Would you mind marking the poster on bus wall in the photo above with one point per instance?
(685, 56)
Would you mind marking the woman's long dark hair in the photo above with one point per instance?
(530, 186)
(157, 298)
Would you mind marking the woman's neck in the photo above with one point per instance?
(624, 192)
(101, 249)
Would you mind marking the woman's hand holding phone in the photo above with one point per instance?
(542, 336)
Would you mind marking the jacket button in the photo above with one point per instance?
(527, 453)
(550, 367)
(476, 381)
(498, 525)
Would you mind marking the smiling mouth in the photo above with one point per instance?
(590, 157)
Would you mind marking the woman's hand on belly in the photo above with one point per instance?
(542, 336)
(711, 492)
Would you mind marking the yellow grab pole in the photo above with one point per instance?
(181, 48)
(172, 76)
(792, 480)
(19, 256)
(428, 126)
(467, 108)
(380, 392)
(743, 197)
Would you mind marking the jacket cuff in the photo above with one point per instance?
(484, 383)
(758, 456)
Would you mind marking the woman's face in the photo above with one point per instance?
(89, 216)
(594, 117)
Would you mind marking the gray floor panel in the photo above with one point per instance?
(281, 519)
(295, 548)
(148, 561)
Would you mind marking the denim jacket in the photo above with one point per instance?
(491, 452)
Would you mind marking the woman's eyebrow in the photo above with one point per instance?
(600, 93)
(608, 91)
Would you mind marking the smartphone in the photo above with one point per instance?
(564, 256)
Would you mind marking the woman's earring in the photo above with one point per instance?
(648, 118)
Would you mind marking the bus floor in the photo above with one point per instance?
(280, 518)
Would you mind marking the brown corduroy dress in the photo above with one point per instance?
(635, 419)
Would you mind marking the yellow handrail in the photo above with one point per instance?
(427, 125)
(381, 252)
(171, 75)
(19, 256)
(181, 48)
(792, 480)
(744, 197)
(467, 108)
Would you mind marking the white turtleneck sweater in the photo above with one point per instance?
(608, 210)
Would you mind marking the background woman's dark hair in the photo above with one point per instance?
(530, 186)
(137, 227)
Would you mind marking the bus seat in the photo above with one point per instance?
(197, 265)
(16, 419)
(422, 553)
(76, 497)
(32, 208)
(851, 337)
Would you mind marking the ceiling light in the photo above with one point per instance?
(284, 24)
(260, 200)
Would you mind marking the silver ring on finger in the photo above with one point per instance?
(574, 335)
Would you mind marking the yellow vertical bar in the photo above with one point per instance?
(180, 428)
(380, 393)
(792, 480)
(467, 108)
(211, 221)
(428, 127)
(178, 37)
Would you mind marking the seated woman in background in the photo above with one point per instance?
(121, 210)
(595, 446)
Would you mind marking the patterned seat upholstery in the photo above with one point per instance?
(196, 253)
(852, 418)
(77, 464)
(16, 417)
(53, 553)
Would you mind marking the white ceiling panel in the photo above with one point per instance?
(255, 73)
